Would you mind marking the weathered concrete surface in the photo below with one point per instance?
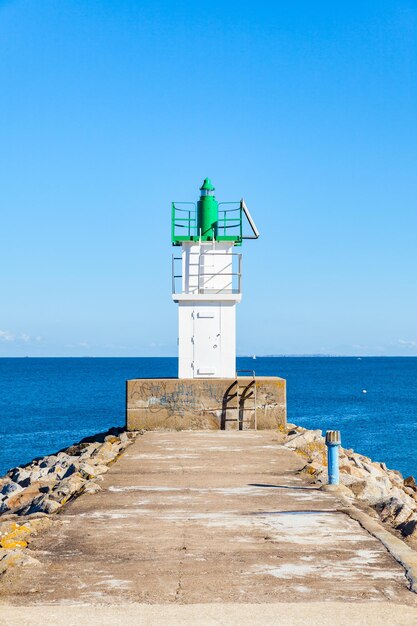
(215, 614)
(203, 404)
(206, 517)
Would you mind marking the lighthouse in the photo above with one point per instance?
(209, 394)
(206, 282)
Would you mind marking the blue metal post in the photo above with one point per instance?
(333, 444)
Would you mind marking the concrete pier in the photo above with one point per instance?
(206, 404)
(214, 519)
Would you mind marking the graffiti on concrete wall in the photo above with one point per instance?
(175, 398)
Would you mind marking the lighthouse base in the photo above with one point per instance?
(206, 404)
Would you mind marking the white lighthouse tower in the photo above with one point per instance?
(206, 281)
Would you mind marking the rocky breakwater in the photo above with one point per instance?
(370, 483)
(31, 494)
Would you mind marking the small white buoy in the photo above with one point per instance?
(364, 391)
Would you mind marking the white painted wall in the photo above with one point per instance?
(206, 267)
(207, 312)
(207, 339)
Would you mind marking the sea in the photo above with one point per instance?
(47, 404)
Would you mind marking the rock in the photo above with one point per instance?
(301, 439)
(92, 487)
(17, 558)
(369, 491)
(409, 491)
(314, 451)
(71, 469)
(397, 474)
(3, 508)
(89, 450)
(57, 470)
(3, 481)
(311, 468)
(91, 471)
(352, 470)
(397, 509)
(112, 439)
(105, 453)
(124, 438)
(63, 457)
(409, 528)
(291, 426)
(349, 479)
(67, 487)
(403, 515)
(48, 461)
(23, 498)
(14, 536)
(76, 449)
(374, 469)
(354, 458)
(394, 511)
(19, 475)
(10, 488)
(41, 504)
(402, 496)
(410, 482)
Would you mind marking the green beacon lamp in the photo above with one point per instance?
(207, 212)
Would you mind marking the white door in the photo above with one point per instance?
(207, 341)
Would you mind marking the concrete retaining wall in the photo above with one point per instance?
(205, 404)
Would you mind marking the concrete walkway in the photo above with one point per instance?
(217, 518)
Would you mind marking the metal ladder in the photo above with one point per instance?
(245, 392)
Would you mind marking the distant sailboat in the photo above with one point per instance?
(254, 356)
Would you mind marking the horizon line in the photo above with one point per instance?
(240, 356)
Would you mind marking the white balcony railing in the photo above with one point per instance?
(208, 272)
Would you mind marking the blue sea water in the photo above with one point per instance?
(47, 404)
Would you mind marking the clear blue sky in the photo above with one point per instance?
(111, 109)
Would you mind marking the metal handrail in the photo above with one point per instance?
(191, 219)
(224, 223)
(255, 398)
(246, 372)
(199, 274)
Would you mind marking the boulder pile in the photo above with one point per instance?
(386, 491)
(46, 484)
(30, 493)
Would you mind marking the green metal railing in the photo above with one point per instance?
(183, 222)
(229, 227)
(184, 226)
